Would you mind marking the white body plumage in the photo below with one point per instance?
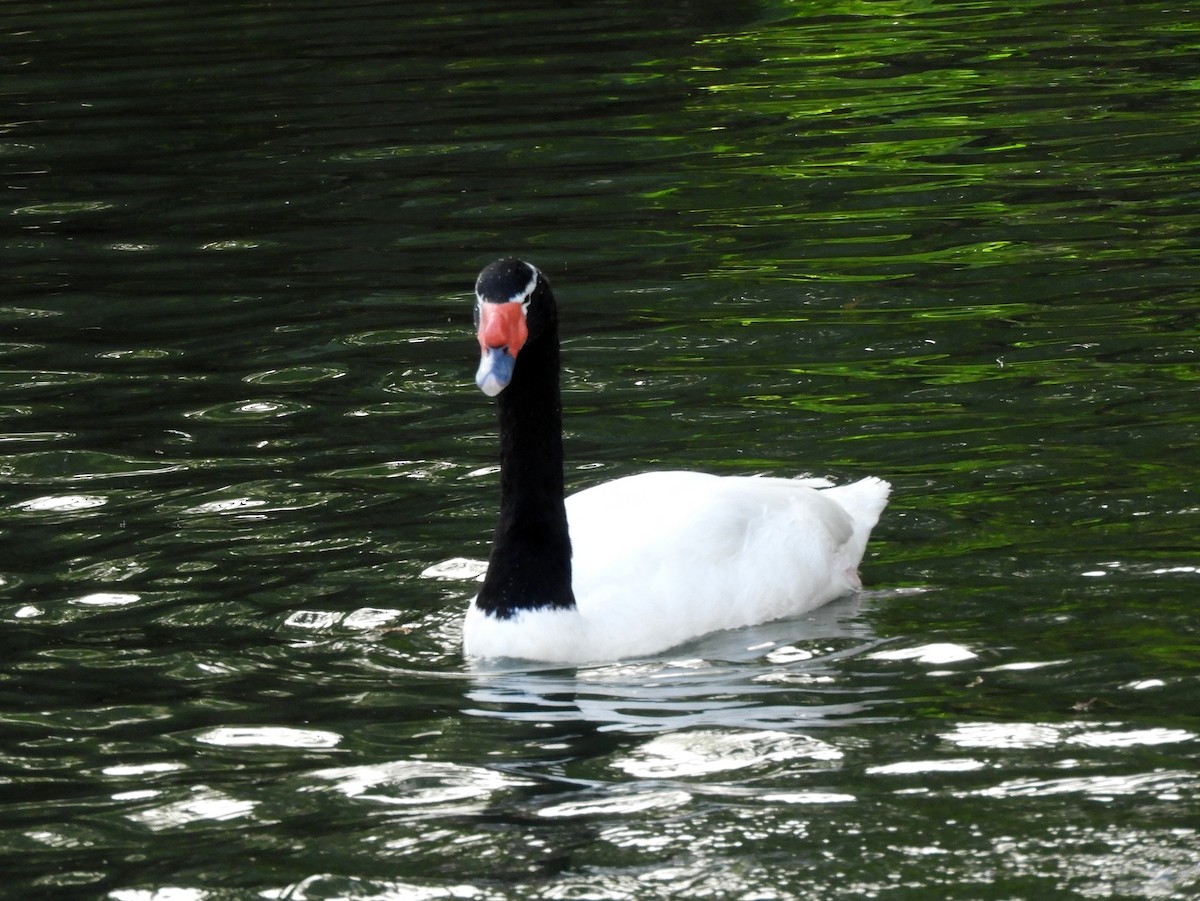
(664, 557)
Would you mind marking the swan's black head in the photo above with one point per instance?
(513, 305)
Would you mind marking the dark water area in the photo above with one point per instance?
(246, 478)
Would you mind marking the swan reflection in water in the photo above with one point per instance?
(779, 676)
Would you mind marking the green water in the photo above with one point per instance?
(950, 244)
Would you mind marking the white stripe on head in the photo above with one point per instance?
(525, 294)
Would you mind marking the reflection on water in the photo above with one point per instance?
(746, 679)
(247, 481)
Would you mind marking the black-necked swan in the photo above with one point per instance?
(638, 565)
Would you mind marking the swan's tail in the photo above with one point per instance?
(864, 500)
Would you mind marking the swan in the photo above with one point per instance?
(640, 564)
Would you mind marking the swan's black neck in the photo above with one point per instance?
(530, 563)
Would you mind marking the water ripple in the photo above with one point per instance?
(268, 736)
(948, 243)
(417, 784)
(701, 753)
(64, 466)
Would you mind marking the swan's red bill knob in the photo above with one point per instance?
(502, 334)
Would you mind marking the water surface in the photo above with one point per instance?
(245, 469)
